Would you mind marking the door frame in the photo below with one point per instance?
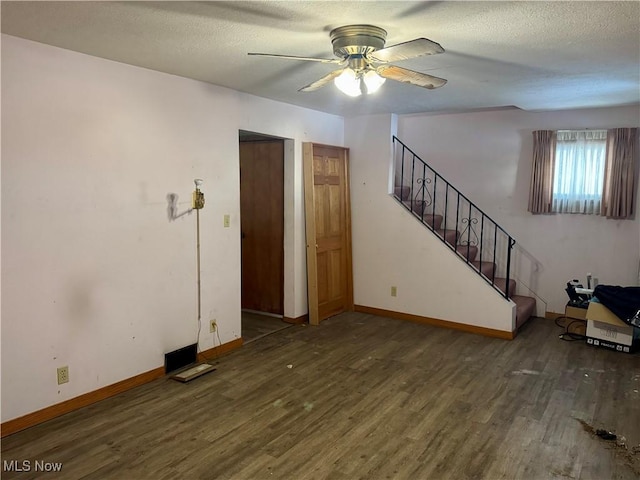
(253, 138)
(310, 228)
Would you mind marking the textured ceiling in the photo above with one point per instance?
(532, 55)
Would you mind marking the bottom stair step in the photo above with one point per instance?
(525, 308)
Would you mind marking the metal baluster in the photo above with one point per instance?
(495, 241)
(457, 219)
(404, 158)
(512, 242)
(413, 168)
(469, 232)
(481, 239)
(446, 205)
(424, 186)
(401, 173)
(433, 210)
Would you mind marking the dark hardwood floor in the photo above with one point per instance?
(255, 325)
(363, 397)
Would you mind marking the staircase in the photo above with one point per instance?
(471, 234)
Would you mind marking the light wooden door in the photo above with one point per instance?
(262, 225)
(328, 227)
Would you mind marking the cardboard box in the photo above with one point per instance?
(605, 329)
(611, 345)
(575, 312)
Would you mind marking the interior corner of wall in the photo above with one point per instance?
(394, 124)
(393, 131)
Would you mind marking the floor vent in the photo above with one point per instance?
(180, 358)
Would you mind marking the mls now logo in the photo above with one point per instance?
(28, 466)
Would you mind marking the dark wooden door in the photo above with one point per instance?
(328, 228)
(262, 225)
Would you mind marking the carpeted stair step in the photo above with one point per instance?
(467, 251)
(487, 268)
(402, 192)
(416, 206)
(525, 308)
(501, 283)
(449, 236)
(435, 221)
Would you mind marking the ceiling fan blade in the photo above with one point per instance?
(406, 50)
(292, 57)
(322, 82)
(409, 76)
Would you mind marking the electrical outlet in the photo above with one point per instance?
(394, 291)
(213, 326)
(63, 375)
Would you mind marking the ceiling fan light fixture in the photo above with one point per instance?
(348, 82)
(362, 50)
(373, 81)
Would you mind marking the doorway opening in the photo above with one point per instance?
(262, 234)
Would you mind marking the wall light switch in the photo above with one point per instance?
(227, 220)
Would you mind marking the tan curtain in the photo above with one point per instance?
(620, 173)
(544, 154)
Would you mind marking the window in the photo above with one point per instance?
(579, 171)
(588, 171)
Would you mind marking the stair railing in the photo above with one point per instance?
(465, 227)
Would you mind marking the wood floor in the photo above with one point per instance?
(255, 325)
(363, 397)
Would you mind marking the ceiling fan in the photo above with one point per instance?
(361, 53)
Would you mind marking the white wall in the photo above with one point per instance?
(94, 275)
(487, 155)
(391, 248)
